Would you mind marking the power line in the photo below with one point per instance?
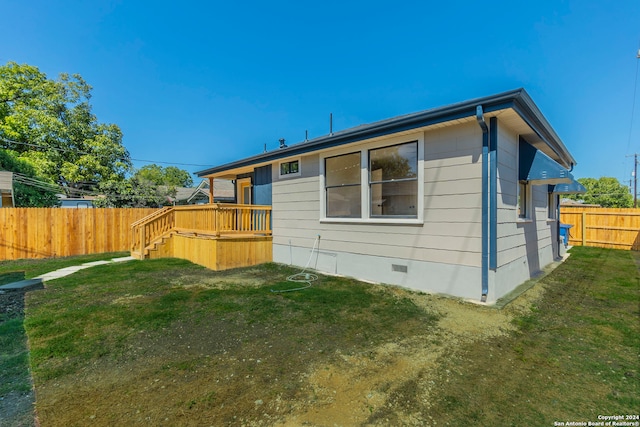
(47, 186)
(9, 141)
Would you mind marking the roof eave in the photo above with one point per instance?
(517, 99)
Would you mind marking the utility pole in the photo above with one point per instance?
(635, 179)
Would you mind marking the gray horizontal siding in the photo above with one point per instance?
(451, 231)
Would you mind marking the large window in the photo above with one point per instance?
(393, 181)
(343, 188)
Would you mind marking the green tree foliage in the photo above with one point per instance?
(130, 193)
(55, 130)
(169, 176)
(605, 191)
(27, 195)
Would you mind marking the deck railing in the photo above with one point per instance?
(216, 220)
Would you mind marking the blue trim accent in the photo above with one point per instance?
(493, 193)
(485, 202)
(537, 168)
(262, 185)
(574, 187)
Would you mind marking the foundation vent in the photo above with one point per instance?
(399, 268)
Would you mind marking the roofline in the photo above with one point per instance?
(517, 99)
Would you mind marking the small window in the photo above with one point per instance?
(523, 200)
(342, 184)
(552, 206)
(290, 168)
(393, 180)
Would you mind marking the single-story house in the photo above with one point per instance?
(7, 199)
(461, 199)
(223, 193)
(76, 202)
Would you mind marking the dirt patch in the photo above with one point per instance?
(391, 384)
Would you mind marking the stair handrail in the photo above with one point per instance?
(139, 228)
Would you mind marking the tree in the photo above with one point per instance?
(606, 192)
(30, 190)
(50, 125)
(130, 193)
(170, 176)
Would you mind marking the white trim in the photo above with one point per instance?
(364, 147)
(290, 175)
(389, 220)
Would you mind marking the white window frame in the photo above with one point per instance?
(290, 175)
(364, 148)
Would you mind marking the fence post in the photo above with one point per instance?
(584, 228)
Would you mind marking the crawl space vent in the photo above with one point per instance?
(399, 268)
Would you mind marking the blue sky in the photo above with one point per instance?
(204, 83)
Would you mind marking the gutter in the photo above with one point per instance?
(485, 202)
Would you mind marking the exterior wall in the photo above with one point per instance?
(525, 247)
(442, 254)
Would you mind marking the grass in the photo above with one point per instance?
(169, 342)
(14, 355)
(95, 313)
(575, 355)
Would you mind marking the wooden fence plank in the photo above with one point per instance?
(617, 228)
(56, 232)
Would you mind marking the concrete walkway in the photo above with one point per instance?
(37, 281)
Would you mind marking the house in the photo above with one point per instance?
(223, 193)
(460, 200)
(76, 202)
(6, 190)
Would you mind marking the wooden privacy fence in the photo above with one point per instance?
(57, 232)
(616, 228)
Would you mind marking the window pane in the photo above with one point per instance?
(342, 170)
(293, 167)
(284, 168)
(397, 162)
(394, 199)
(344, 202)
(522, 200)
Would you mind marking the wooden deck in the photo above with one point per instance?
(217, 236)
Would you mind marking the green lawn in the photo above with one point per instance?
(169, 342)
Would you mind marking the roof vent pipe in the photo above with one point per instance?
(330, 123)
(282, 144)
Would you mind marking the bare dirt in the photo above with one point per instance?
(220, 374)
